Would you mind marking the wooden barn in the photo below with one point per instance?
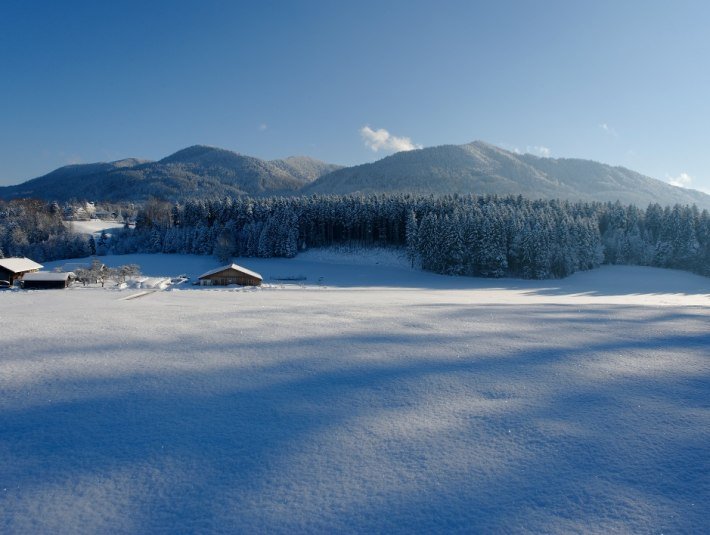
(44, 280)
(13, 269)
(230, 274)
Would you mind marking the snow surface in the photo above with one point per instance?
(235, 267)
(160, 283)
(18, 265)
(47, 276)
(367, 398)
(93, 226)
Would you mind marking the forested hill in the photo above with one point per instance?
(481, 168)
(197, 171)
(474, 168)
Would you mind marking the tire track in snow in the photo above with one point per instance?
(137, 295)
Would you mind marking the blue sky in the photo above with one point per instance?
(625, 83)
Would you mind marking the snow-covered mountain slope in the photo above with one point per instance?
(483, 169)
(197, 171)
(478, 168)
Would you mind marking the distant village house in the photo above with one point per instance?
(230, 274)
(13, 269)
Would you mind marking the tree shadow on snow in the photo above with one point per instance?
(412, 432)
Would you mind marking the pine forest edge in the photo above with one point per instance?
(468, 235)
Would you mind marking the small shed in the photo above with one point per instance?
(12, 269)
(230, 274)
(44, 280)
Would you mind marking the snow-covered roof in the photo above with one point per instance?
(18, 265)
(232, 266)
(48, 276)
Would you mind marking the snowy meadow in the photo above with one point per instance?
(360, 396)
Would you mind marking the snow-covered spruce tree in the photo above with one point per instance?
(265, 245)
(291, 232)
(429, 242)
(535, 250)
(202, 239)
(492, 246)
(653, 223)
(252, 235)
(224, 248)
(412, 232)
(685, 241)
(702, 263)
(175, 215)
(587, 239)
(103, 243)
(171, 240)
(156, 241)
(563, 253)
(470, 220)
(453, 250)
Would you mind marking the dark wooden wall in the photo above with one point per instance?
(230, 276)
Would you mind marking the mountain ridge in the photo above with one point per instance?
(472, 168)
(198, 170)
(481, 168)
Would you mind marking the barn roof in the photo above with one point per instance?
(48, 276)
(19, 265)
(231, 266)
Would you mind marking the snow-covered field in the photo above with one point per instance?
(92, 226)
(366, 398)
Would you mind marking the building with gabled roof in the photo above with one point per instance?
(230, 274)
(12, 269)
(47, 280)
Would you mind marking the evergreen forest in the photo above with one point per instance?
(457, 235)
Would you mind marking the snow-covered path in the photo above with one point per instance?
(382, 409)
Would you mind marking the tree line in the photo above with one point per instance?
(34, 228)
(459, 235)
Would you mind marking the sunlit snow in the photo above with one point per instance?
(360, 397)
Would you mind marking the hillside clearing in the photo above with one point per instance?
(93, 227)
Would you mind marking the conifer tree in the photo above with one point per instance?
(412, 238)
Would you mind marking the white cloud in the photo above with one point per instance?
(381, 139)
(538, 150)
(263, 126)
(608, 129)
(509, 147)
(683, 180)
